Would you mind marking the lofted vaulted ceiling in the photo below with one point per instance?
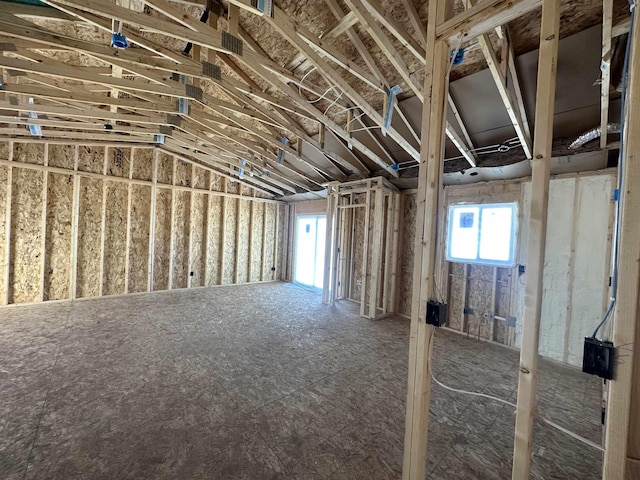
(288, 101)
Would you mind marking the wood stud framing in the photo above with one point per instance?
(106, 182)
(378, 243)
(622, 430)
(7, 226)
(217, 133)
(429, 177)
(545, 102)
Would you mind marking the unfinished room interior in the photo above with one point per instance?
(331, 239)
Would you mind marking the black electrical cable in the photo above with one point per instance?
(616, 235)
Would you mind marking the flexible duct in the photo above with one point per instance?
(592, 134)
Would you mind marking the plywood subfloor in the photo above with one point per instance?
(258, 382)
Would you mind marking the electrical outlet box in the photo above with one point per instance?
(598, 358)
(436, 313)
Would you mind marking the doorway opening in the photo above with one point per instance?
(310, 244)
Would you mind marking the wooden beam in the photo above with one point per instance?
(337, 11)
(158, 106)
(237, 238)
(375, 31)
(621, 27)
(208, 232)
(190, 229)
(388, 253)
(127, 247)
(465, 133)
(205, 161)
(223, 231)
(365, 254)
(459, 143)
(328, 294)
(376, 247)
(541, 163)
(276, 237)
(288, 29)
(483, 17)
(58, 70)
(172, 221)
(103, 221)
(605, 68)
(152, 221)
(75, 216)
(622, 427)
(99, 176)
(263, 257)
(395, 28)
(35, 11)
(429, 185)
(345, 23)
(43, 227)
(417, 24)
(94, 113)
(501, 82)
(7, 229)
(252, 218)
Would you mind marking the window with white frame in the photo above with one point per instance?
(484, 233)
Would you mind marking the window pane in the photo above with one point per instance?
(463, 237)
(495, 233)
(483, 234)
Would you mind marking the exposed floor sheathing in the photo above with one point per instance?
(259, 382)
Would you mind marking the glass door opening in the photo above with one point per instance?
(310, 242)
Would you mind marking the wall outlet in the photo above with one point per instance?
(436, 313)
(598, 358)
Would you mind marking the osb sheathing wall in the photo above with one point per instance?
(89, 221)
(487, 302)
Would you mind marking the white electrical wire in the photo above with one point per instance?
(354, 118)
(321, 97)
(475, 394)
(334, 102)
(586, 441)
(571, 434)
(373, 127)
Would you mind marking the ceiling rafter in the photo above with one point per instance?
(370, 62)
(500, 71)
(335, 173)
(288, 29)
(369, 13)
(208, 37)
(377, 13)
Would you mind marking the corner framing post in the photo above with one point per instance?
(365, 254)
(328, 295)
(190, 228)
(376, 246)
(152, 221)
(622, 430)
(8, 291)
(103, 221)
(263, 257)
(207, 231)
(543, 137)
(43, 227)
(388, 249)
(172, 220)
(223, 229)
(429, 184)
(75, 215)
(395, 247)
(127, 260)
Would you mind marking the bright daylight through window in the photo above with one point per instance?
(482, 234)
